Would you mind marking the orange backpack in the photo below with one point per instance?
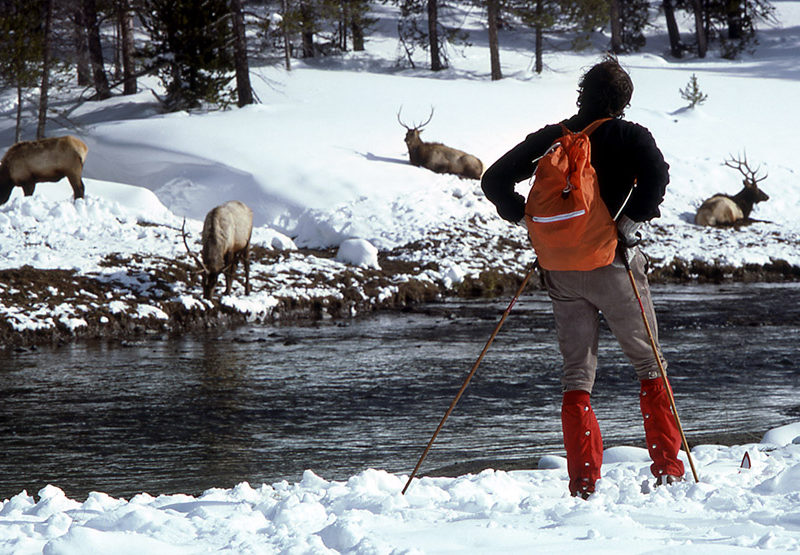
(568, 222)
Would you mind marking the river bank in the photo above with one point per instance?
(145, 296)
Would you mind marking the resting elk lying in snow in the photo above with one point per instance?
(30, 162)
(724, 209)
(226, 240)
(438, 157)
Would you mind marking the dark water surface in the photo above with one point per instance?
(262, 404)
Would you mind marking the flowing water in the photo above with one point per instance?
(262, 404)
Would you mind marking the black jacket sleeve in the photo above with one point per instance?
(514, 166)
(652, 177)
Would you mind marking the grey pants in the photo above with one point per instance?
(579, 298)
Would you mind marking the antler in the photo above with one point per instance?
(419, 126)
(193, 255)
(401, 121)
(750, 176)
(427, 121)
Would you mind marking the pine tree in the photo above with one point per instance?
(21, 48)
(190, 47)
(692, 92)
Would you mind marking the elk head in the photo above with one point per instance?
(750, 181)
(201, 268)
(412, 133)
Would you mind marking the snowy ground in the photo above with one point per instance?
(731, 510)
(322, 162)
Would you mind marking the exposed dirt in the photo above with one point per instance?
(72, 306)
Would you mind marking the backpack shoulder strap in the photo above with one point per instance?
(589, 129)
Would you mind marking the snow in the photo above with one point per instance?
(731, 510)
(323, 165)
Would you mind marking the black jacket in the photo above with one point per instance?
(622, 153)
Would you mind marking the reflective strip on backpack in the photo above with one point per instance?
(558, 217)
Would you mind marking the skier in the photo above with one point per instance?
(627, 162)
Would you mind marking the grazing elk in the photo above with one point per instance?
(30, 162)
(438, 157)
(226, 240)
(724, 209)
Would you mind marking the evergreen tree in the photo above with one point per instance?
(21, 48)
(190, 48)
(731, 22)
(627, 20)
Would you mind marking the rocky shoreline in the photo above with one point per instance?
(76, 307)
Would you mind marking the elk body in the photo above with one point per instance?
(723, 209)
(30, 162)
(438, 157)
(226, 241)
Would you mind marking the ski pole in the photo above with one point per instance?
(658, 359)
(469, 376)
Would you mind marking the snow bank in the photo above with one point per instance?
(729, 510)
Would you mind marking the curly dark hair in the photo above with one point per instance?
(605, 89)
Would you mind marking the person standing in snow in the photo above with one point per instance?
(624, 154)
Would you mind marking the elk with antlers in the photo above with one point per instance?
(722, 209)
(438, 157)
(226, 240)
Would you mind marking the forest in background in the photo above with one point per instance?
(201, 50)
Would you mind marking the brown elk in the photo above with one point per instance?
(30, 162)
(722, 209)
(438, 157)
(226, 240)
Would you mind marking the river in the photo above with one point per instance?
(263, 404)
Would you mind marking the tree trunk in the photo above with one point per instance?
(45, 87)
(18, 128)
(675, 47)
(244, 91)
(287, 45)
(494, 48)
(95, 49)
(433, 35)
(307, 22)
(615, 15)
(343, 24)
(117, 44)
(126, 31)
(734, 19)
(539, 36)
(700, 29)
(81, 48)
(357, 31)
(357, 27)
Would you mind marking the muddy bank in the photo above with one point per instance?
(157, 297)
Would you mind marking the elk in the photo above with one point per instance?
(30, 162)
(721, 209)
(226, 240)
(438, 157)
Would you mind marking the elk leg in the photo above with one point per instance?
(28, 188)
(77, 186)
(231, 263)
(5, 194)
(246, 255)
